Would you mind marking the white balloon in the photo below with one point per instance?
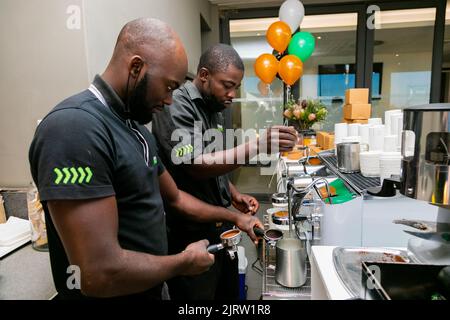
(292, 13)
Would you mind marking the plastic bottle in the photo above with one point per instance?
(2, 211)
(37, 218)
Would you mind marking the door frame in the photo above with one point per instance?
(364, 38)
(438, 40)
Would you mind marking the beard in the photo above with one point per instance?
(139, 108)
(213, 103)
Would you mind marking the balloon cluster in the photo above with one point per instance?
(291, 51)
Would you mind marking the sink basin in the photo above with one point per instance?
(348, 264)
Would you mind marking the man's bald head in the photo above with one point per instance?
(148, 63)
(146, 37)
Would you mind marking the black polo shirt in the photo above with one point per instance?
(84, 149)
(188, 108)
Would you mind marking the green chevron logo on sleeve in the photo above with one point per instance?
(185, 150)
(73, 175)
(82, 175)
(67, 173)
(59, 175)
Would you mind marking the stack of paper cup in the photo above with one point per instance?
(375, 121)
(387, 119)
(397, 128)
(364, 133)
(390, 143)
(340, 131)
(370, 163)
(353, 129)
(390, 164)
(351, 139)
(396, 123)
(376, 138)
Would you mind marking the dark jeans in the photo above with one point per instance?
(220, 282)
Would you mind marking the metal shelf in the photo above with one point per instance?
(356, 181)
(271, 290)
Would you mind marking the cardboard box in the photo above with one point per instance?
(321, 138)
(346, 120)
(365, 121)
(360, 111)
(325, 141)
(349, 121)
(313, 152)
(328, 142)
(354, 96)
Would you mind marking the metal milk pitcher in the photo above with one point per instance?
(290, 263)
(348, 157)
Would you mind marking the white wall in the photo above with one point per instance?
(42, 61)
(105, 18)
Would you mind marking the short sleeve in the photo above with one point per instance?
(154, 150)
(71, 156)
(161, 167)
(178, 133)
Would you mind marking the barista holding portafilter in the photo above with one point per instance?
(204, 175)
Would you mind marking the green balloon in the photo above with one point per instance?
(302, 45)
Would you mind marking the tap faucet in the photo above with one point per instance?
(301, 193)
(304, 160)
(304, 191)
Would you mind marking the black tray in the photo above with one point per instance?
(356, 181)
(395, 281)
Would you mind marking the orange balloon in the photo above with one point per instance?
(279, 35)
(290, 69)
(266, 67)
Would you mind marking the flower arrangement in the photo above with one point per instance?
(305, 113)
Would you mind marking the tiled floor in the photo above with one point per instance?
(250, 180)
(253, 278)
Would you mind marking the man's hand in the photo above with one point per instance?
(246, 223)
(200, 259)
(277, 139)
(245, 203)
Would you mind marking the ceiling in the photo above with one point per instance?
(418, 37)
(343, 43)
(239, 4)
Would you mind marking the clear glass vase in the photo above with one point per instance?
(37, 220)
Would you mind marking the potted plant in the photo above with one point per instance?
(304, 114)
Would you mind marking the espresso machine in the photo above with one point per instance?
(425, 176)
(425, 154)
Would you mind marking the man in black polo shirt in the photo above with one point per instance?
(102, 184)
(196, 117)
